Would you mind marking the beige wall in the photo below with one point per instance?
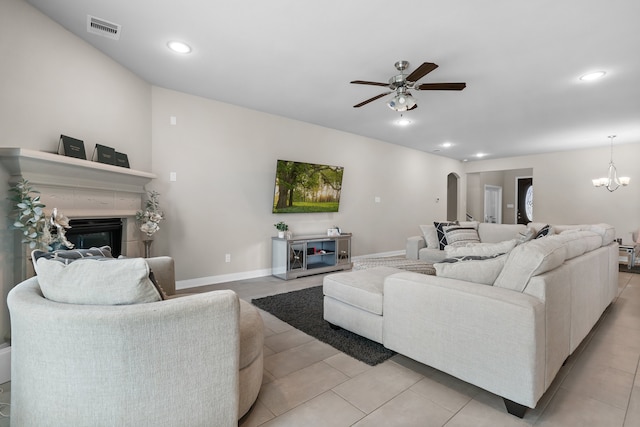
(53, 83)
(563, 193)
(225, 159)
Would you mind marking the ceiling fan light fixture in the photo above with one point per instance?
(402, 102)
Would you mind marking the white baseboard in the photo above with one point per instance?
(5, 364)
(212, 280)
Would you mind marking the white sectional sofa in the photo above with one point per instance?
(509, 337)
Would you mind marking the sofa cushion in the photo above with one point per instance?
(494, 233)
(531, 259)
(430, 236)
(362, 288)
(606, 231)
(90, 281)
(481, 249)
(442, 238)
(67, 256)
(477, 269)
(460, 236)
(525, 236)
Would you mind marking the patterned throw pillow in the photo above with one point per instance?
(460, 236)
(442, 238)
(69, 255)
(544, 231)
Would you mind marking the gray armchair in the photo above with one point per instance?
(175, 362)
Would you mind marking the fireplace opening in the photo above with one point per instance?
(96, 232)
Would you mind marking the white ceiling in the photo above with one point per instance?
(520, 59)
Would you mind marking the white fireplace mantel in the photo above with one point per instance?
(81, 188)
(39, 167)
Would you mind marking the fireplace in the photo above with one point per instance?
(96, 232)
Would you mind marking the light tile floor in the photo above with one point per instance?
(308, 383)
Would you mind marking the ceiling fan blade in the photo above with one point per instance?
(421, 71)
(441, 86)
(371, 99)
(363, 82)
(412, 108)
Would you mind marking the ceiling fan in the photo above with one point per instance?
(401, 84)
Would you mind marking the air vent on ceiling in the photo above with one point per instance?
(103, 28)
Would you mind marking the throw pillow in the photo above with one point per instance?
(90, 281)
(154, 280)
(544, 231)
(481, 249)
(67, 256)
(442, 238)
(460, 236)
(430, 236)
(483, 270)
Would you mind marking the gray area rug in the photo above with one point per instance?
(623, 268)
(303, 310)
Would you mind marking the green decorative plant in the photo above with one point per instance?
(149, 219)
(38, 231)
(281, 226)
(28, 213)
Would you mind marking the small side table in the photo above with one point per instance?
(631, 253)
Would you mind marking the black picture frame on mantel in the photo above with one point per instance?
(104, 154)
(71, 147)
(122, 160)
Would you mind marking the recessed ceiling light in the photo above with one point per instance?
(446, 145)
(480, 155)
(179, 47)
(593, 76)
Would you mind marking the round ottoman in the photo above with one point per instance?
(251, 356)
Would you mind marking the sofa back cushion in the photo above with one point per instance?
(531, 259)
(494, 233)
(606, 231)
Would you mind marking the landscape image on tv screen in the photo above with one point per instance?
(306, 187)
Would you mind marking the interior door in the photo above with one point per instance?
(524, 196)
(493, 204)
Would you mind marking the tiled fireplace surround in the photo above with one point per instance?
(79, 189)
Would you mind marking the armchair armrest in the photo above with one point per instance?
(163, 268)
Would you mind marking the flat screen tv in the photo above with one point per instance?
(306, 187)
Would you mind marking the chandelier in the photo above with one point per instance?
(611, 182)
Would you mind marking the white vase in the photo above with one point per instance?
(281, 234)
